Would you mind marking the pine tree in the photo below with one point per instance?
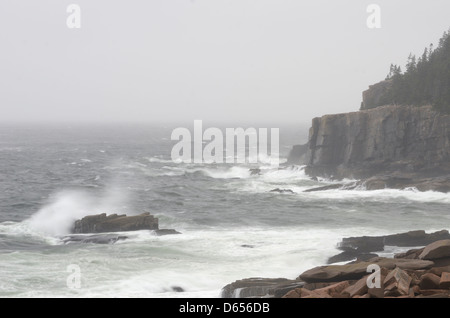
(426, 80)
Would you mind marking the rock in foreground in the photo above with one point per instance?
(419, 273)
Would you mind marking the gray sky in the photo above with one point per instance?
(231, 60)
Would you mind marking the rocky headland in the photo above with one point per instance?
(384, 147)
(421, 272)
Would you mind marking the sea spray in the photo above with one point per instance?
(57, 217)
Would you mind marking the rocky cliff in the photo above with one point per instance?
(376, 94)
(409, 143)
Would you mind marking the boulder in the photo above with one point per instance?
(429, 281)
(397, 283)
(358, 270)
(436, 250)
(305, 293)
(415, 238)
(115, 223)
(260, 287)
(330, 291)
(360, 247)
(444, 282)
(350, 255)
(439, 270)
(411, 254)
(358, 289)
(362, 244)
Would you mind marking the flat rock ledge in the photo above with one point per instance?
(417, 273)
(102, 223)
(363, 248)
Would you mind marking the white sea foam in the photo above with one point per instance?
(226, 173)
(382, 195)
(58, 216)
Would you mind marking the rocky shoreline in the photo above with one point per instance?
(390, 146)
(422, 272)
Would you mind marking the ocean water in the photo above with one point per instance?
(232, 226)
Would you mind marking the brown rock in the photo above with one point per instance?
(410, 254)
(358, 289)
(441, 262)
(259, 287)
(439, 270)
(437, 295)
(397, 281)
(334, 290)
(435, 292)
(295, 293)
(333, 273)
(444, 282)
(313, 286)
(416, 290)
(429, 281)
(314, 294)
(438, 249)
(376, 292)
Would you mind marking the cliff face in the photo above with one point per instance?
(382, 140)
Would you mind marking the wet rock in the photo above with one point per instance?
(411, 254)
(324, 188)
(415, 238)
(115, 223)
(362, 244)
(161, 232)
(429, 281)
(259, 287)
(349, 256)
(398, 278)
(96, 239)
(360, 247)
(177, 289)
(278, 190)
(358, 270)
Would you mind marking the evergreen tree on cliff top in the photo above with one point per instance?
(425, 81)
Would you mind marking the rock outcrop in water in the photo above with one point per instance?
(389, 146)
(362, 247)
(101, 223)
